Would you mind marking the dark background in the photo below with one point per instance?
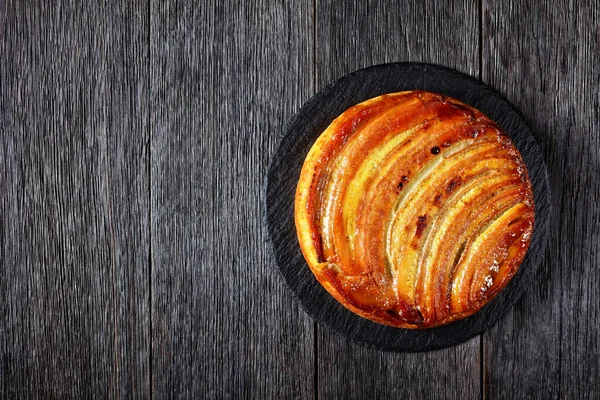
(134, 140)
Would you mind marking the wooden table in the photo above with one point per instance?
(134, 138)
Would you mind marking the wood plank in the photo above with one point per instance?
(74, 214)
(349, 371)
(359, 35)
(545, 58)
(226, 78)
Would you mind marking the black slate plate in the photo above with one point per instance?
(284, 173)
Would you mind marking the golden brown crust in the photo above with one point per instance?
(413, 209)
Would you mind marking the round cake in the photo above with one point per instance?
(413, 209)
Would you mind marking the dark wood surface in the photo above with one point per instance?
(134, 139)
(225, 78)
(74, 195)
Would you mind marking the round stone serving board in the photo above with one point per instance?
(284, 172)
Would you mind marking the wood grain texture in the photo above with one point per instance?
(226, 78)
(74, 204)
(545, 57)
(364, 33)
(348, 38)
(348, 371)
